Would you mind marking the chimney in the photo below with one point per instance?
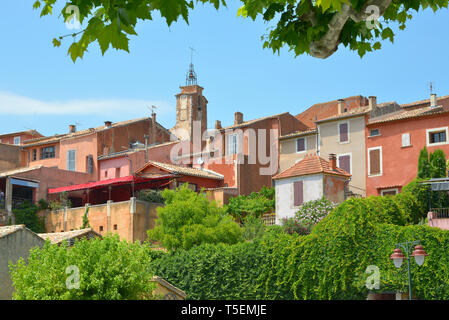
(333, 161)
(238, 119)
(217, 124)
(433, 100)
(341, 106)
(108, 124)
(153, 128)
(72, 128)
(372, 102)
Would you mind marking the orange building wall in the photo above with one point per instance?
(400, 164)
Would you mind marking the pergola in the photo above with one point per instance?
(118, 189)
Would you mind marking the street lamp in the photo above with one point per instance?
(398, 257)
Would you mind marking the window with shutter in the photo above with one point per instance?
(344, 162)
(298, 193)
(375, 161)
(71, 160)
(406, 139)
(90, 164)
(343, 129)
(300, 145)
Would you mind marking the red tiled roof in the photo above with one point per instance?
(311, 164)
(329, 109)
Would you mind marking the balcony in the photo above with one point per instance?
(438, 218)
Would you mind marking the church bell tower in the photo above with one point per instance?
(191, 108)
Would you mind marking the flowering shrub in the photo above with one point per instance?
(291, 226)
(312, 212)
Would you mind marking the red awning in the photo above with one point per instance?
(109, 182)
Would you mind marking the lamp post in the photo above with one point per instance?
(398, 257)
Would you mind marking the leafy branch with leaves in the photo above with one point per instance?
(314, 27)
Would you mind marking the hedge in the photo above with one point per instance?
(330, 263)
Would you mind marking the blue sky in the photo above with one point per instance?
(41, 88)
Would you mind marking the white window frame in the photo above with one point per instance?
(409, 140)
(350, 160)
(380, 164)
(339, 133)
(305, 145)
(429, 131)
(68, 160)
(15, 143)
(388, 190)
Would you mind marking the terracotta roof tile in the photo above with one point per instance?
(329, 109)
(176, 169)
(310, 164)
(58, 237)
(298, 134)
(351, 113)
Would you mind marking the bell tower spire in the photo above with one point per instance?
(191, 78)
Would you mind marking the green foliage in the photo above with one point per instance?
(296, 24)
(109, 269)
(256, 204)
(26, 214)
(154, 196)
(437, 162)
(330, 263)
(423, 164)
(223, 271)
(189, 219)
(312, 212)
(86, 223)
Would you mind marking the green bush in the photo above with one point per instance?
(189, 219)
(26, 214)
(330, 263)
(223, 271)
(109, 269)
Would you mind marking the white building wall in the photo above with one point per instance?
(313, 190)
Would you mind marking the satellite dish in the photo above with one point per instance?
(200, 161)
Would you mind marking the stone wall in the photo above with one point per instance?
(129, 219)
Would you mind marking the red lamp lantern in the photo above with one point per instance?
(397, 257)
(419, 254)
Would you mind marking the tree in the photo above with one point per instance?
(95, 269)
(189, 219)
(314, 27)
(438, 164)
(423, 164)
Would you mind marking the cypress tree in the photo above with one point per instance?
(423, 164)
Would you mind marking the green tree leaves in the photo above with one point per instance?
(189, 219)
(297, 24)
(109, 269)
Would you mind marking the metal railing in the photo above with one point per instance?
(440, 213)
(269, 219)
